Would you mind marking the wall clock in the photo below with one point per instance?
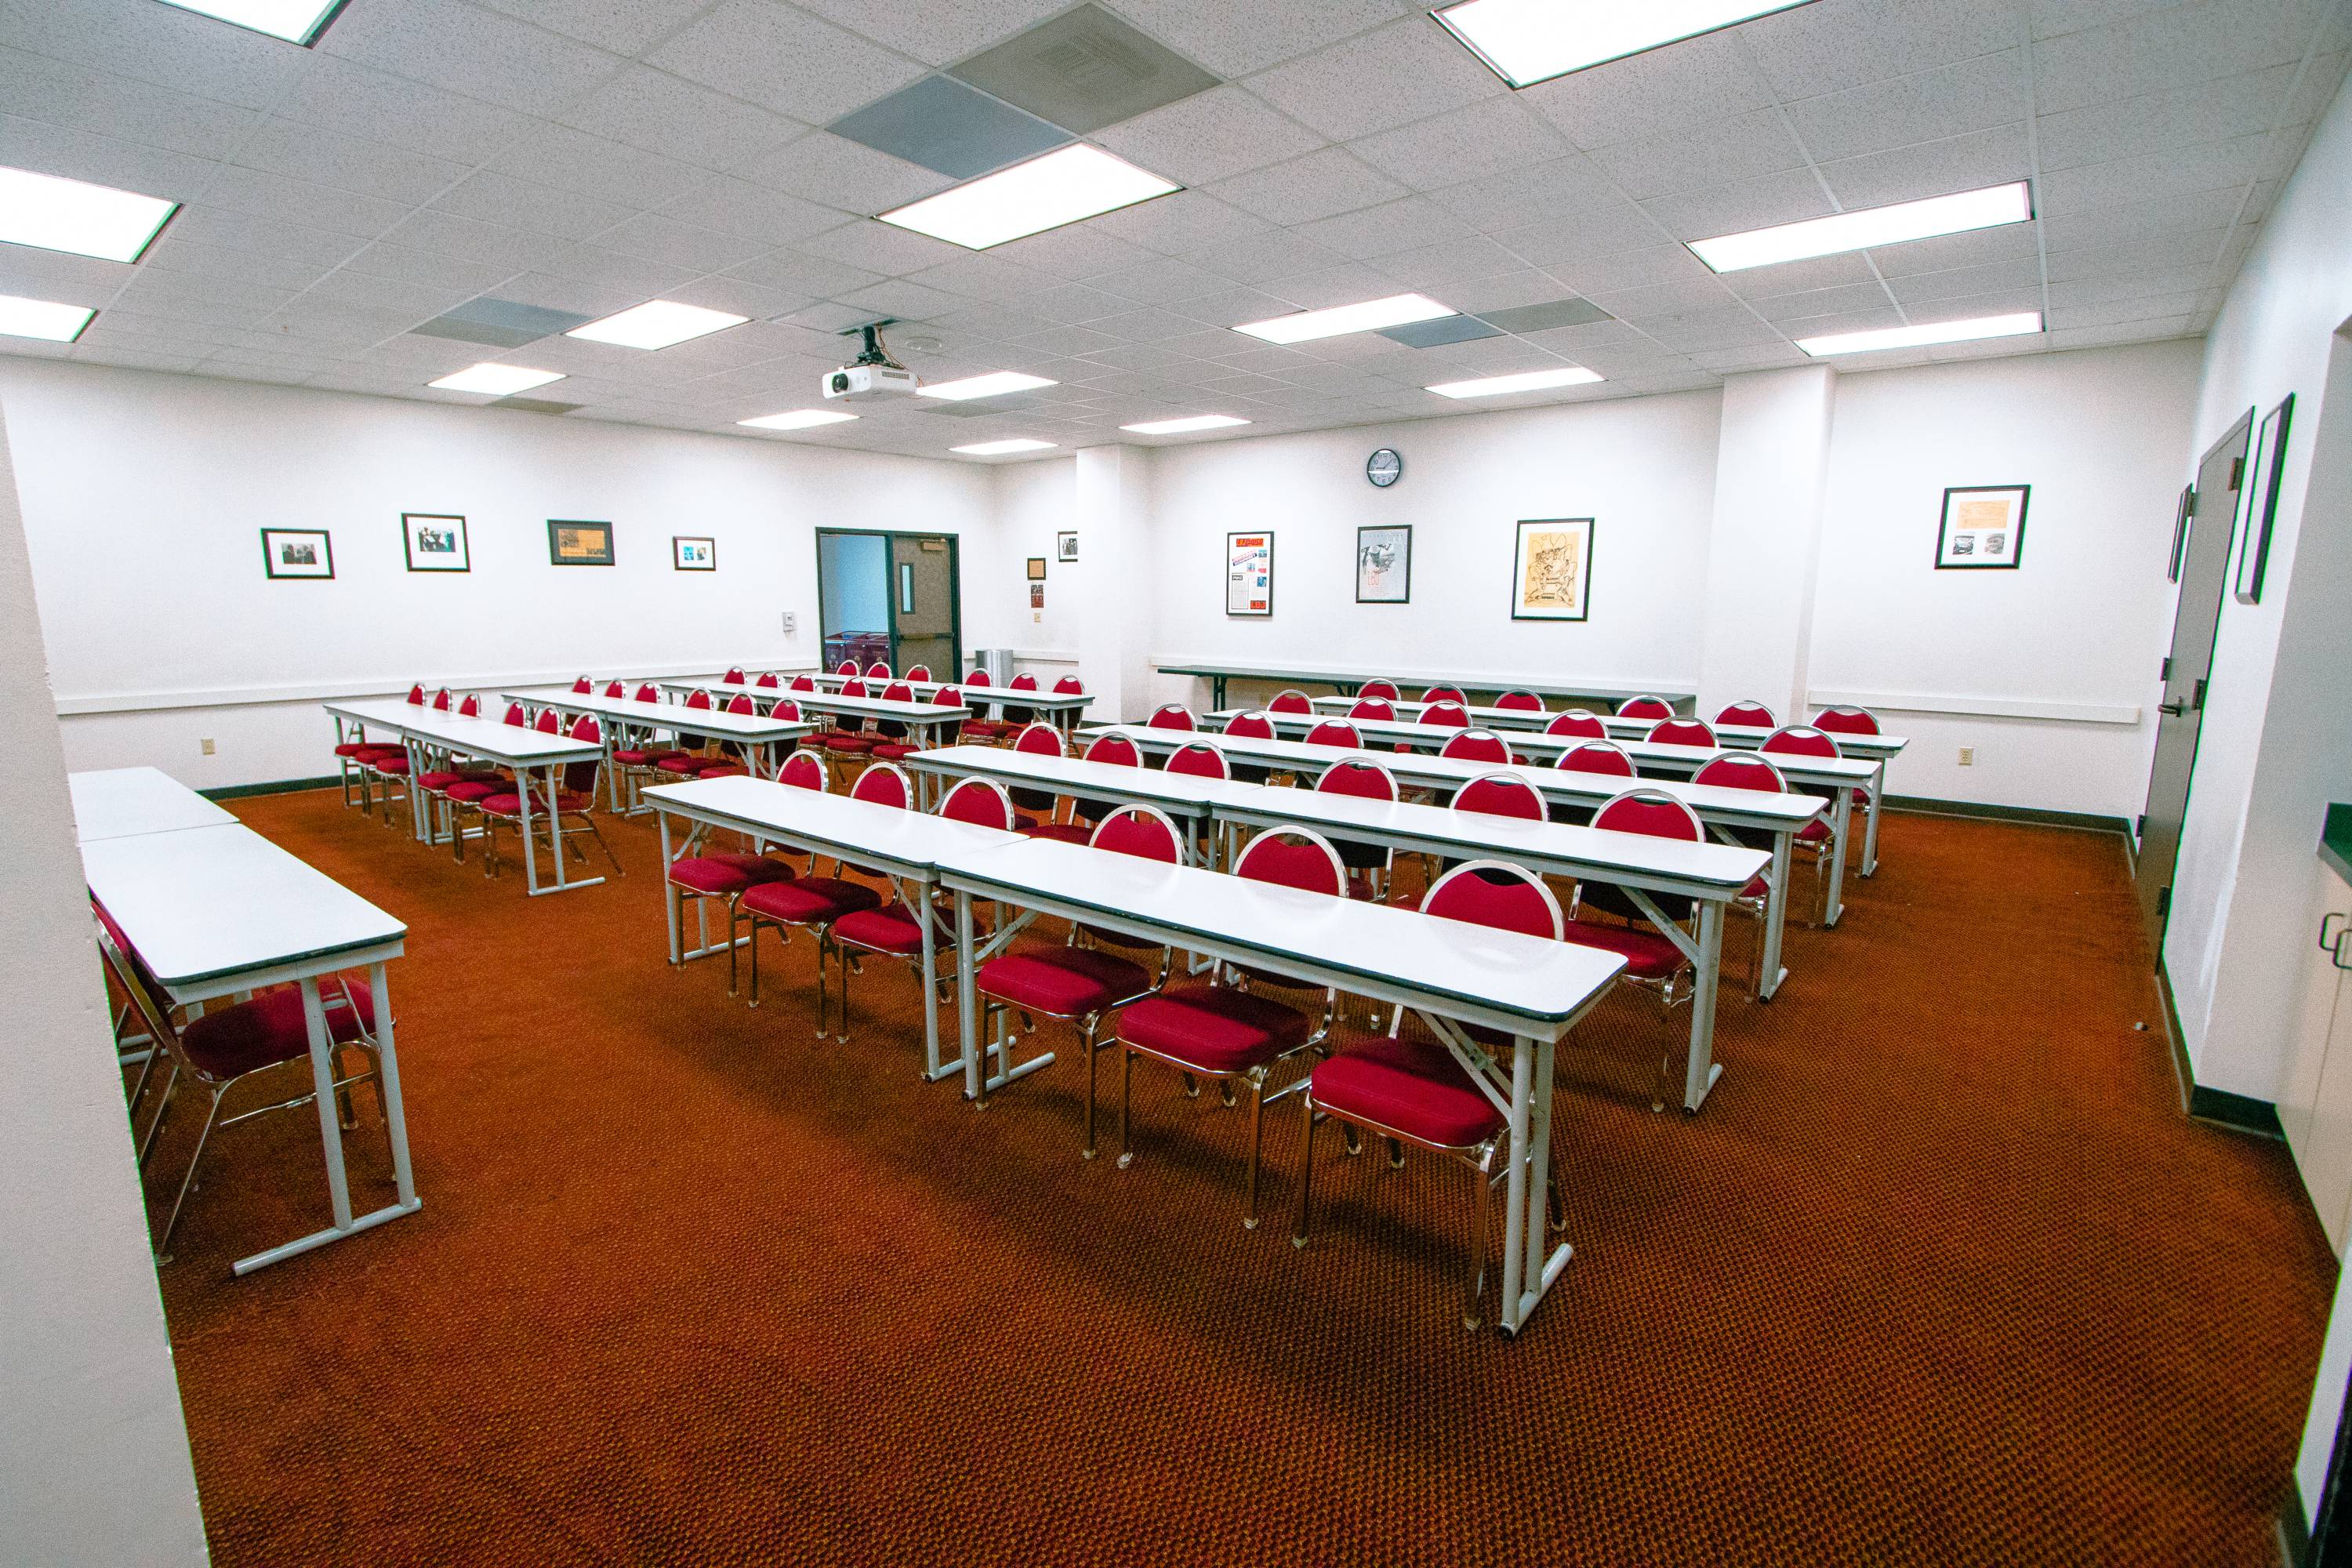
(1384, 467)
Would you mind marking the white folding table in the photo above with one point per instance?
(916, 716)
(119, 803)
(764, 740)
(1188, 800)
(1349, 682)
(1062, 707)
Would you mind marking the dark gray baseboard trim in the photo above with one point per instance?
(1928, 806)
(2294, 1535)
(2238, 1112)
(275, 787)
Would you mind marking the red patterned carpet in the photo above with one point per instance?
(1939, 1275)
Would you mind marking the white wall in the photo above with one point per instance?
(1034, 501)
(143, 495)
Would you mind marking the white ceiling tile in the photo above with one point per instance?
(566, 160)
(504, 200)
(1451, 262)
(1741, 205)
(1392, 76)
(2155, 176)
(223, 230)
(1209, 136)
(361, 100)
(2112, 313)
(1703, 156)
(1931, 168)
(1164, 281)
(1710, 78)
(2143, 220)
(1234, 40)
(799, 272)
(412, 301)
(2169, 49)
(1634, 270)
(1853, 299)
(1074, 251)
(296, 202)
(1958, 282)
(1074, 302)
(739, 207)
(2217, 110)
(906, 300)
(102, 160)
(1342, 285)
(1797, 277)
(742, 47)
(656, 237)
(322, 157)
(623, 27)
(835, 172)
(937, 33)
(1928, 106)
(1581, 234)
(57, 92)
(163, 45)
(468, 50)
(1503, 290)
(1653, 300)
(2129, 332)
(53, 275)
(1321, 185)
(632, 274)
(1494, 136)
(1836, 44)
(679, 118)
(428, 268)
(2011, 242)
(1405, 224)
(2198, 247)
(448, 234)
(879, 247)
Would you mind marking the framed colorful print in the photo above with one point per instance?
(2263, 472)
(1066, 545)
(1984, 528)
(434, 543)
(2180, 532)
(1384, 565)
(694, 554)
(297, 552)
(1037, 569)
(1249, 573)
(1551, 572)
(570, 544)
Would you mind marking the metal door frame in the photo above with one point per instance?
(890, 586)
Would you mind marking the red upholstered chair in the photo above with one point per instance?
(1477, 746)
(1017, 717)
(1520, 701)
(732, 678)
(1044, 741)
(1748, 770)
(767, 681)
(1846, 722)
(1445, 694)
(983, 803)
(640, 749)
(1170, 716)
(648, 693)
(877, 670)
(801, 770)
(1501, 794)
(1413, 1092)
(1068, 686)
(1253, 725)
(1818, 838)
(921, 672)
(1384, 689)
(1374, 708)
(1645, 708)
(1291, 700)
(417, 694)
(1228, 1030)
(572, 803)
(470, 706)
(1368, 864)
(438, 782)
(1578, 721)
(1682, 733)
(1199, 760)
(442, 701)
(981, 727)
(691, 754)
(810, 903)
(804, 682)
(1118, 751)
(724, 878)
(890, 731)
(582, 687)
(848, 666)
(1747, 716)
(1085, 980)
(892, 929)
(1605, 757)
(1336, 732)
(1446, 715)
(1653, 961)
(848, 740)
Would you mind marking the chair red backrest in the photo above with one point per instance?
(981, 801)
(1117, 750)
(1520, 701)
(1645, 708)
(1251, 726)
(1801, 740)
(733, 678)
(1294, 857)
(1682, 733)
(1141, 831)
(1598, 757)
(848, 666)
(1747, 716)
(615, 689)
(698, 699)
(1374, 708)
(1578, 721)
(647, 693)
(515, 715)
(877, 670)
(803, 771)
(1068, 686)
(741, 703)
(549, 722)
(978, 677)
(1651, 812)
(1042, 741)
(1498, 894)
(441, 701)
(1171, 716)
(1446, 715)
(1366, 780)
(471, 708)
(586, 728)
(1846, 721)
(582, 687)
(1024, 681)
(1293, 701)
(786, 710)
(1386, 690)
(767, 681)
(1201, 761)
(1336, 732)
(1742, 770)
(1477, 746)
(417, 695)
(919, 672)
(882, 785)
(1444, 694)
(803, 683)
(853, 689)
(947, 696)
(1501, 794)
(898, 692)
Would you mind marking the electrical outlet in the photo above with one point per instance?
(207, 745)
(791, 623)
(1967, 756)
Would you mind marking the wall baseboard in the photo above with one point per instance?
(2217, 1107)
(1928, 805)
(272, 786)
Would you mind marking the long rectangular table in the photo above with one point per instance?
(1062, 707)
(916, 716)
(1350, 681)
(764, 740)
(120, 802)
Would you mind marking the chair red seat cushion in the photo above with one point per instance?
(393, 762)
(363, 747)
(889, 930)
(809, 901)
(269, 1028)
(721, 875)
(1813, 832)
(1060, 832)
(850, 743)
(511, 804)
(1648, 955)
(1758, 888)
(895, 751)
(1213, 1028)
(986, 728)
(1412, 1086)
(640, 757)
(721, 771)
(443, 779)
(476, 789)
(685, 767)
(1066, 981)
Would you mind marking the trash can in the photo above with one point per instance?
(997, 662)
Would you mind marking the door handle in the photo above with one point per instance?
(2326, 941)
(2174, 709)
(2342, 941)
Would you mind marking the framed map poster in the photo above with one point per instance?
(1551, 572)
(1984, 528)
(1249, 573)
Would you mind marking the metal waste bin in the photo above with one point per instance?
(997, 662)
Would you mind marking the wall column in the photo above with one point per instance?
(1113, 513)
(1771, 482)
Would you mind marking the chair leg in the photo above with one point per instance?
(1473, 1311)
(731, 947)
(1257, 1140)
(753, 943)
(1126, 1105)
(1306, 1170)
(164, 1244)
(1087, 1044)
(162, 1109)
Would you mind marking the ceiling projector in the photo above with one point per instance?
(872, 375)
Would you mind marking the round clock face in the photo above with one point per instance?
(1384, 467)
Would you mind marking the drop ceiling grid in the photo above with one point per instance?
(584, 157)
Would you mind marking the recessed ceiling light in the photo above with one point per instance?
(1063, 186)
(1368, 317)
(996, 383)
(1179, 426)
(1988, 208)
(797, 420)
(51, 213)
(1976, 327)
(1528, 41)
(1525, 381)
(495, 380)
(998, 448)
(40, 319)
(656, 324)
(296, 21)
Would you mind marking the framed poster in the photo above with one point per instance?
(297, 552)
(433, 542)
(2262, 494)
(1984, 528)
(1037, 569)
(694, 554)
(570, 544)
(1384, 565)
(1066, 545)
(2180, 532)
(1249, 573)
(1552, 573)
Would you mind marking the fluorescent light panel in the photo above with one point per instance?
(51, 213)
(1371, 316)
(1063, 186)
(998, 448)
(1528, 41)
(798, 419)
(1990, 207)
(495, 380)
(996, 383)
(656, 324)
(296, 21)
(1525, 381)
(40, 319)
(1969, 330)
(1182, 426)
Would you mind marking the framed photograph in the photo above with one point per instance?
(1066, 545)
(1551, 572)
(1249, 573)
(570, 544)
(1037, 569)
(2261, 493)
(1984, 528)
(297, 552)
(2181, 533)
(1384, 565)
(1036, 596)
(694, 554)
(434, 541)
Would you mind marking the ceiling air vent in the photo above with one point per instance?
(1083, 70)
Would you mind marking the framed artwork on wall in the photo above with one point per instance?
(298, 553)
(1066, 545)
(1984, 528)
(694, 554)
(1249, 573)
(1384, 565)
(2263, 472)
(575, 543)
(1552, 571)
(435, 541)
(1037, 569)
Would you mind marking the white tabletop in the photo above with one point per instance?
(119, 803)
(751, 727)
(1746, 737)
(1749, 737)
(509, 743)
(1808, 770)
(1272, 672)
(856, 707)
(1188, 795)
(212, 902)
(833, 821)
(1004, 694)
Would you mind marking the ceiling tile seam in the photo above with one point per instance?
(1829, 195)
(2270, 138)
(2034, 158)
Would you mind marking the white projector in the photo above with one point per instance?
(867, 383)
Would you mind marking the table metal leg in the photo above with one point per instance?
(1775, 915)
(1870, 836)
(1544, 1265)
(1509, 1313)
(1841, 824)
(932, 1071)
(1700, 1074)
(555, 823)
(669, 895)
(975, 1087)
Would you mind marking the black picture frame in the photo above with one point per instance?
(1258, 612)
(2264, 469)
(315, 539)
(1583, 611)
(594, 547)
(1066, 545)
(460, 560)
(679, 555)
(1361, 544)
(1949, 548)
(1037, 569)
(2181, 533)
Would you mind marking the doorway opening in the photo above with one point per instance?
(890, 598)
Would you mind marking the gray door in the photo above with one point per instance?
(2204, 574)
(924, 610)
